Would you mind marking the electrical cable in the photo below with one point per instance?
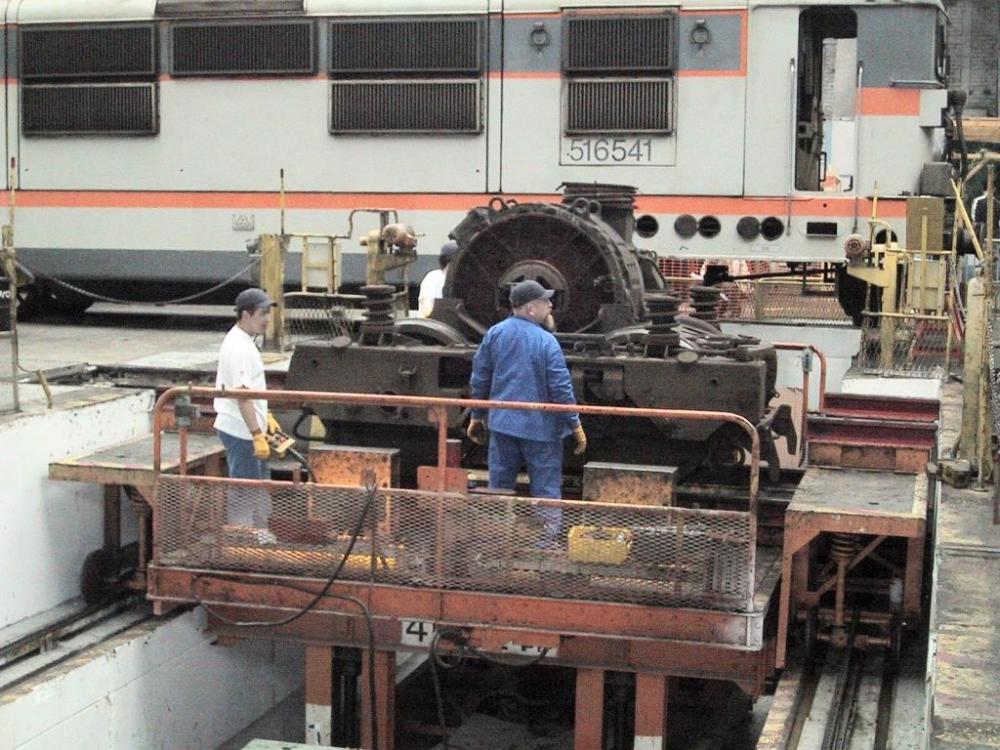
(116, 301)
(369, 626)
(439, 702)
(439, 661)
(304, 462)
(371, 488)
(372, 492)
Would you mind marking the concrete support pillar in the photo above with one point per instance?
(650, 711)
(588, 727)
(385, 700)
(975, 345)
(319, 695)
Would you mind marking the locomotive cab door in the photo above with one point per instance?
(826, 126)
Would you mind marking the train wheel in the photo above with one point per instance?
(99, 576)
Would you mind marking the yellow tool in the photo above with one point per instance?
(600, 545)
(281, 443)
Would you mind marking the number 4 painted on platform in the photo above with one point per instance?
(416, 633)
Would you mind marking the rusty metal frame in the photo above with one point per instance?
(804, 526)
(438, 413)
(823, 367)
(653, 641)
(137, 481)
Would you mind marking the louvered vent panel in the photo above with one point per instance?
(188, 8)
(231, 49)
(112, 109)
(405, 107)
(398, 47)
(91, 52)
(613, 106)
(641, 44)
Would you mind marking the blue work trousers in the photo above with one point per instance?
(543, 461)
(245, 506)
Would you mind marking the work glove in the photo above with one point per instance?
(476, 431)
(581, 440)
(261, 448)
(272, 424)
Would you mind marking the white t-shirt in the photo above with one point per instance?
(240, 366)
(431, 288)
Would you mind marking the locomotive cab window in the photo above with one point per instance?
(825, 128)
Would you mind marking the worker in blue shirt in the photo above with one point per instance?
(520, 360)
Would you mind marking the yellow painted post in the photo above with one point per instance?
(888, 322)
(273, 249)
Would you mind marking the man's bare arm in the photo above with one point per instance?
(249, 415)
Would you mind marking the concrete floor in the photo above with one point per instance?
(111, 334)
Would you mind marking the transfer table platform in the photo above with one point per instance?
(128, 466)
(852, 501)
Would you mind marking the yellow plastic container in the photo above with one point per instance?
(600, 545)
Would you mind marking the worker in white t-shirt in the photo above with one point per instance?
(432, 286)
(244, 424)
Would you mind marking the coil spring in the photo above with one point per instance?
(843, 548)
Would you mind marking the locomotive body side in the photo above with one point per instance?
(178, 204)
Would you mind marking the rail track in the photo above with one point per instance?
(834, 699)
(39, 644)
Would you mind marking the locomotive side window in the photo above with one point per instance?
(89, 81)
(827, 100)
(274, 47)
(618, 73)
(406, 76)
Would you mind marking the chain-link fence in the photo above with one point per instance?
(908, 345)
(317, 315)
(774, 300)
(484, 543)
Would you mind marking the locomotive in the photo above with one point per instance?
(754, 130)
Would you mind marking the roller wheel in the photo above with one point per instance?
(99, 576)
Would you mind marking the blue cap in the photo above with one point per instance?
(449, 248)
(253, 299)
(528, 291)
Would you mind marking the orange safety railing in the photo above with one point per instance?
(437, 412)
(186, 496)
(823, 366)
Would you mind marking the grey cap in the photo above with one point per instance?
(528, 291)
(449, 248)
(253, 299)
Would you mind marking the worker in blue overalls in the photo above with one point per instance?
(520, 360)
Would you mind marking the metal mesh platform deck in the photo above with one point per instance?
(493, 544)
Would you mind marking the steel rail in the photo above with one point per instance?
(47, 637)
